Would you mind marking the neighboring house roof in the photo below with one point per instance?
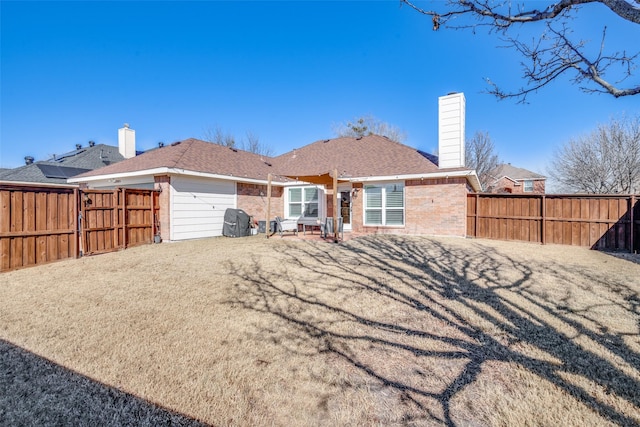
(513, 173)
(369, 156)
(57, 169)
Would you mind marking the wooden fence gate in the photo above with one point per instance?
(41, 224)
(606, 222)
(117, 219)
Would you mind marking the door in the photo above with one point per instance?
(345, 208)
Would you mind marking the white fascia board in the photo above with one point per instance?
(146, 172)
(171, 171)
(518, 180)
(221, 177)
(300, 184)
(470, 175)
(532, 179)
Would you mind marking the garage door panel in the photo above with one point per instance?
(198, 206)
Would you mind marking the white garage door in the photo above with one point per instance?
(198, 206)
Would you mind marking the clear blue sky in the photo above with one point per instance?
(285, 71)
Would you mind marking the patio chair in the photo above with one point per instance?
(284, 225)
(327, 230)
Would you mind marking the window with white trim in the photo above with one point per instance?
(528, 186)
(384, 204)
(302, 201)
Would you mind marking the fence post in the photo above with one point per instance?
(123, 206)
(82, 223)
(153, 216)
(475, 231)
(632, 202)
(76, 212)
(543, 221)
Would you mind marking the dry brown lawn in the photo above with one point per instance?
(379, 330)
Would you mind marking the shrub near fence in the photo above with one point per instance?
(607, 222)
(40, 224)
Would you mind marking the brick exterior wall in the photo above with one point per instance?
(505, 185)
(252, 198)
(436, 207)
(163, 183)
(432, 207)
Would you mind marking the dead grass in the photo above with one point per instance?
(381, 330)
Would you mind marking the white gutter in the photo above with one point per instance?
(468, 174)
(170, 171)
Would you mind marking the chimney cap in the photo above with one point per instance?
(126, 125)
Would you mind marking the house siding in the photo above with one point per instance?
(198, 206)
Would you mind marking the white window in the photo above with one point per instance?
(384, 204)
(302, 201)
(528, 186)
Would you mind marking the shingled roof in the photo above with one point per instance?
(369, 156)
(197, 156)
(58, 168)
(514, 173)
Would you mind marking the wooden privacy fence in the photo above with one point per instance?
(607, 222)
(40, 224)
(116, 219)
(37, 225)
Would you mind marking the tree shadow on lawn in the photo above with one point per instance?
(36, 391)
(481, 307)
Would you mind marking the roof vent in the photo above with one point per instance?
(92, 143)
(160, 144)
(327, 140)
(267, 163)
(28, 160)
(235, 150)
(78, 146)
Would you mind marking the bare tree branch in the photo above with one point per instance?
(369, 125)
(251, 143)
(480, 155)
(552, 54)
(606, 161)
(217, 136)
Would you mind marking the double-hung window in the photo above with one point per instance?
(384, 204)
(528, 185)
(303, 201)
